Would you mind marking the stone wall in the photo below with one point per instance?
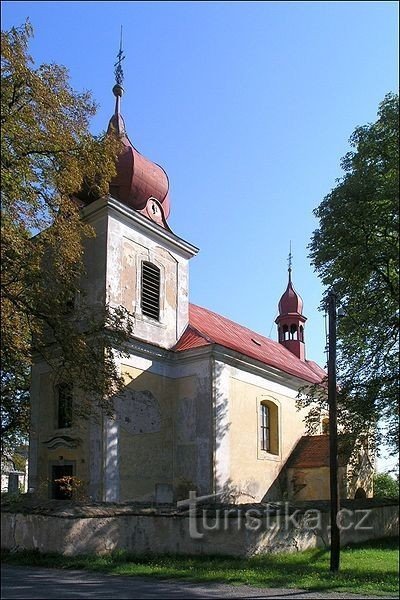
(229, 530)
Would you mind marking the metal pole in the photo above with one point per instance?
(333, 440)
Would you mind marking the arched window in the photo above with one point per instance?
(150, 290)
(301, 333)
(64, 405)
(293, 332)
(269, 427)
(285, 332)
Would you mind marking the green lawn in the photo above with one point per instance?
(370, 568)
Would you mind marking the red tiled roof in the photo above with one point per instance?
(317, 369)
(312, 451)
(206, 327)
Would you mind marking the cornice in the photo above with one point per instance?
(241, 361)
(220, 353)
(131, 217)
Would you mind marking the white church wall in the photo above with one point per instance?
(222, 419)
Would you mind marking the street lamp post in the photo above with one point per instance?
(333, 438)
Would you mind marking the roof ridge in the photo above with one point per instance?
(235, 323)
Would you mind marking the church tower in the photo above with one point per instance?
(291, 320)
(136, 261)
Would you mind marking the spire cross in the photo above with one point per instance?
(119, 74)
(290, 261)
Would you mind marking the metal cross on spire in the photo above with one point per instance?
(119, 74)
(290, 260)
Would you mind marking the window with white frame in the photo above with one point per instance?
(269, 427)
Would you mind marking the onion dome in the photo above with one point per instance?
(291, 320)
(290, 301)
(138, 179)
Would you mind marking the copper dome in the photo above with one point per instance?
(290, 301)
(138, 178)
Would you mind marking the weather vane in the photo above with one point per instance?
(119, 74)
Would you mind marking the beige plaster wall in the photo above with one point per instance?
(160, 438)
(44, 427)
(313, 483)
(253, 471)
(193, 434)
(164, 434)
(146, 434)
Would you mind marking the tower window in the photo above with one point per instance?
(150, 298)
(64, 400)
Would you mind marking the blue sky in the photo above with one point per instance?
(249, 107)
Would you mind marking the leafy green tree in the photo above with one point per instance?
(355, 251)
(385, 486)
(47, 155)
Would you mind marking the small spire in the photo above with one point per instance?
(290, 262)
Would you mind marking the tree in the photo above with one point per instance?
(355, 251)
(47, 155)
(385, 486)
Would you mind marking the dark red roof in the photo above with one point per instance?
(312, 451)
(206, 327)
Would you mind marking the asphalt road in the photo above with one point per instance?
(37, 582)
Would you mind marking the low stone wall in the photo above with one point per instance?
(229, 530)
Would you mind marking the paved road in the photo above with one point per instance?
(37, 582)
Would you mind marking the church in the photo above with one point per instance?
(209, 405)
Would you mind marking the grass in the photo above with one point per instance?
(369, 568)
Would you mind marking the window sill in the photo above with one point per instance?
(149, 320)
(264, 455)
